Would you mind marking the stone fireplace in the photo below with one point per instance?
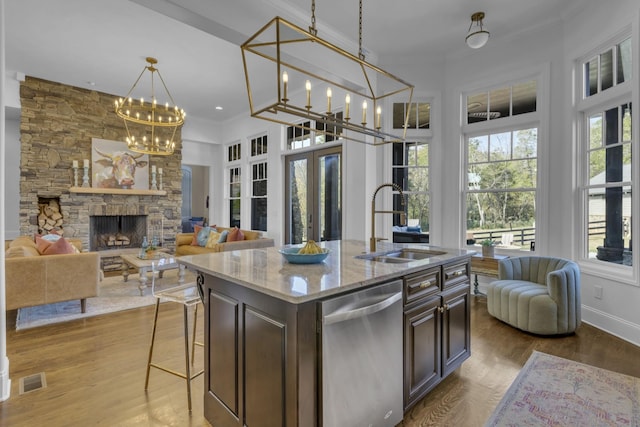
(57, 125)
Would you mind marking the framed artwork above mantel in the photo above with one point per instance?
(114, 166)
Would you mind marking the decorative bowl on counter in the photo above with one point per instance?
(292, 256)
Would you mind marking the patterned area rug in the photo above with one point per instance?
(552, 391)
(113, 295)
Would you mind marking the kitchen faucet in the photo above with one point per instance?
(373, 240)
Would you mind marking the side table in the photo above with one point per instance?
(484, 266)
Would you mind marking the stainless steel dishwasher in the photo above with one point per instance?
(362, 358)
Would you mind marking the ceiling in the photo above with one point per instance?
(102, 44)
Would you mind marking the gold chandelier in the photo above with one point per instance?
(289, 71)
(151, 126)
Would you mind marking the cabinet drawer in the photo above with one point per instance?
(421, 285)
(455, 274)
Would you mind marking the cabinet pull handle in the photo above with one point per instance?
(457, 273)
(447, 307)
(441, 309)
(425, 284)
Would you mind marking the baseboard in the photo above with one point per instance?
(5, 382)
(613, 325)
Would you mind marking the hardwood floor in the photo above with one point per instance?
(95, 371)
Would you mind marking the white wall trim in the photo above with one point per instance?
(613, 325)
(5, 382)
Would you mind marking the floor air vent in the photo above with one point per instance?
(32, 383)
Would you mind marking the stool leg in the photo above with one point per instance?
(193, 339)
(186, 353)
(153, 338)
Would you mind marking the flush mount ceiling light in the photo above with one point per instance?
(151, 125)
(477, 36)
(298, 79)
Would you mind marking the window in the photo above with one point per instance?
(234, 152)
(322, 128)
(502, 170)
(502, 102)
(607, 161)
(259, 196)
(298, 137)
(608, 189)
(501, 162)
(235, 185)
(259, 146)
(313, 133)
(416, 114)
(410, 171)
(607, 69)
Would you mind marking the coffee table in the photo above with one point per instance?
(144, 266)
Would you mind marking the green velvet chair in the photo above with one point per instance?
(537, 294)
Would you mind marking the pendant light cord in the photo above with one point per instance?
(360, 53)
(312, 28)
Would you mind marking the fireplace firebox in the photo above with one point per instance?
(108, 232)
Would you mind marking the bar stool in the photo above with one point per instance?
(181, 293)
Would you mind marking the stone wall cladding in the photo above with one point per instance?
(57, 125)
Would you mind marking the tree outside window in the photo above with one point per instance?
(502, 173)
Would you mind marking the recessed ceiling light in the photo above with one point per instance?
(90, 83)
(218, 107)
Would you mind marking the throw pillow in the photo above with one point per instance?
(42, 244)
(203, 236)
(223, 236)
(214, 236)
(62, 246)
(235, 235)
(196, 231)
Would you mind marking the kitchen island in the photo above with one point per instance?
(263, 355)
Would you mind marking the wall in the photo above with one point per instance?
(617, 311)
(57, 125)
(558, 228)
(11, 171)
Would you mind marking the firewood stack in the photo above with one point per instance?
(117, 239)
(50, 217)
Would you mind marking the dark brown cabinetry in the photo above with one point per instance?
(436, 327)
(263, 359)
(258, 362)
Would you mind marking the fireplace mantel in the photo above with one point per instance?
(127, 192)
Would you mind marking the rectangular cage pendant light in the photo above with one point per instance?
(296, 78)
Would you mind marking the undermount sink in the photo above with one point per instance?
(401, 256)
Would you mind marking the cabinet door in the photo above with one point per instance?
(422, 363)
(222, 375)
(456, 328)
(251, 369)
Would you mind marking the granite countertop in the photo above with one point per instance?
(267, 271)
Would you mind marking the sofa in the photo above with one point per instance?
(252, 240)
(537, 294)
(34, 279)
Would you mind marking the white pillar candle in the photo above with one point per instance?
(75, 163)
(160, 171)
(86, 163)
(153, 169)
(364, 112)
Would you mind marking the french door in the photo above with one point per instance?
(313, 199)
